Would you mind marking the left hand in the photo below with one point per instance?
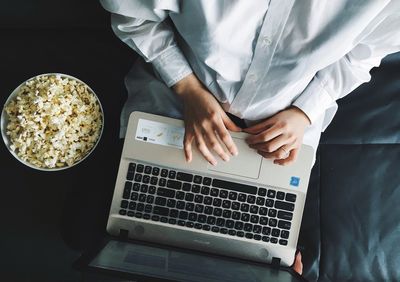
(280, 136)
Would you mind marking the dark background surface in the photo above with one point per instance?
(351, 222)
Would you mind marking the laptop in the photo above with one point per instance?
(181, 221)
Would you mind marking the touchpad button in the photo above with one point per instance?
(247, 163)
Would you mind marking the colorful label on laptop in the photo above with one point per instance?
(295, 181)
(160, 133)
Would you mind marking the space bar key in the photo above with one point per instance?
(234, 186)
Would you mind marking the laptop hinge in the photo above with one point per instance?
(276, 262)
(123, 233)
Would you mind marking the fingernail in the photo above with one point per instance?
(235, 153)
(214, 163)
(226, 158)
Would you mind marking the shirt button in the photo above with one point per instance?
(266, 41)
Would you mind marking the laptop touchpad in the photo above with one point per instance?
(247, 163)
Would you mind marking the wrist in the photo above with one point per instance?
(186, 85)
(301, 114)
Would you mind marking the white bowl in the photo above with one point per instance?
(4, 122)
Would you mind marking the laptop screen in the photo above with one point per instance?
(153, 261)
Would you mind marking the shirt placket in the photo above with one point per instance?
(270, 33)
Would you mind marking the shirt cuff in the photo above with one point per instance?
(172, 65)
(314, 101)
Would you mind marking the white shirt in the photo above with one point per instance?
(259, 57)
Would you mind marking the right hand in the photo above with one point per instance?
(205, 121)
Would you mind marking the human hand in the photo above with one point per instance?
(205, 121)
(280, 136)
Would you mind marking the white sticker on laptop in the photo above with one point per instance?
(160, 133)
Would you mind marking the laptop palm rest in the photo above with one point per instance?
(246, 164)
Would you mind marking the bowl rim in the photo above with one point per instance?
(4, 121)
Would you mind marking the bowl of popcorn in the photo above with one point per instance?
(52, 122)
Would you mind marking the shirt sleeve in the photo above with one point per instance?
(143, 25)
(337, 80)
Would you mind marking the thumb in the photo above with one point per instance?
(230, 125)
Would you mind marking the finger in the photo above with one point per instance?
(230, 125)
(292, 158)
(187, 145)
(264, 136)
(201, 145)
(257, 128)
(272, 145)
(298, 264)
(214, 144)
(226, 138)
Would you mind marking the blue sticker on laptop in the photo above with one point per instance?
(295, 181)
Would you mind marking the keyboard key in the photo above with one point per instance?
(189, 206)
(208, 210)
(155, 171)
(179, 195)
(180, 205)
(130, 175)
(266, 230)
(144, 188)
(206, 227)
(172, 221)
(229, 223)
(236, 215)
(148, 208)
(284, 206)
(227, 213)
(257, 237)
(245, 217)
(217, 211)
(284, 224)
(164, 172)
(162, 182)
(153, 180)
(205, 190)
(184, 176)
(280, 195)
(172, 174)
(181, 222)
(285, 215)
(242, 197)
(140, 207)
(138, 214)
(202, 218)
(207, 181)
(235, 206)
(214, 192)
(249, 235)
(269, 203)
(130, 213)
(140, 168)
(138, 177)
(262, 192)
(122, 212)
(244, 207)
(251, 199)
(275, 232)
(192, 216)
(223, 230)
(240, 233)
(207, 200)
(272, 213)
(263, 220)
(272, 222)
(254, 218)
(254, 209)
(199, 208)
(174, 184)
(283, 242)
(186, 187)
(131, 167)
(223, 194)
(142, 198)
(198, 225)
(232, 232)
(233, 195)
(226, 204)
(147, 169)
(260, 201)
(198, 198)
(217, 202)
(164, 192)
(211, 220)
(271, 193)
(195, 188)
(239, 225)
(215, 229)
(284, 234)
(248, 227)
(127, 190)
(263, 211)
(189, 197)
(273, 240)
(234, 186)
(132, 205)
(171, 203)
(265, 238)
(257, 229)
(161, 201)
(136, 187)
(290, 197)
(173, 213)
(183, 215)
(134, 196)
(197, 179)
(220, 222)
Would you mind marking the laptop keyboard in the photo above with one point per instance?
(198, 202)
